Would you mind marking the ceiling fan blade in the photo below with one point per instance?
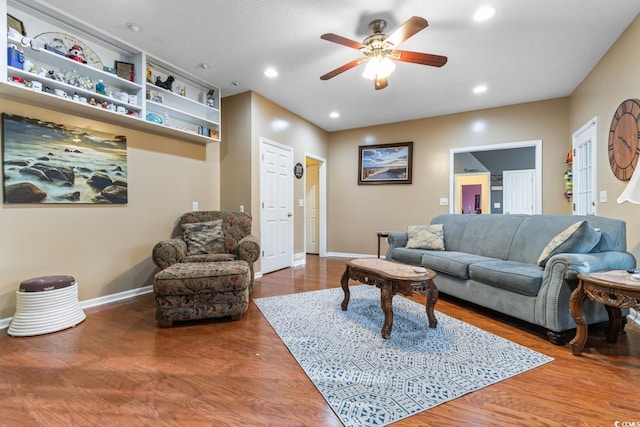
(381, 83)
(419, 58)
(342, 40)
(344, 68)
(406, 30)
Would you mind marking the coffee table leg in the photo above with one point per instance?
(386, 298)
(432, 299)
(575, 308)
(344, 282)
(615, 322)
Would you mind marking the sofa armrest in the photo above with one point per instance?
(587, 263)
(560, 279)
(169, 252)
(396, 239)
(249, 249)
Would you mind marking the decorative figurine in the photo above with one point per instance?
(101, 88)
(165, 84)
(210, 99)
(77, 54)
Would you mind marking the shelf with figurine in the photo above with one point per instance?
(70, 72)
(568, 176)
(173, 95)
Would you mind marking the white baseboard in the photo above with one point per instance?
(348, 255)
(107, 299)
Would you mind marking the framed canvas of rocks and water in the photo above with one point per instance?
(45, 162)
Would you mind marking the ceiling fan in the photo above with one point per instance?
(380, 51)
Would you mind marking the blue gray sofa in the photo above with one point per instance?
(493, 261)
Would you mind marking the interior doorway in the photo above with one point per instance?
(495, 159)
(472, 193)
(315, 205)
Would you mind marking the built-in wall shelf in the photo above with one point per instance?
(48, 79)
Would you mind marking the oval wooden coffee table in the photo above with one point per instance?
(391, 278)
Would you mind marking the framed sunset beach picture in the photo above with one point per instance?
(385, 163)
(46, 162)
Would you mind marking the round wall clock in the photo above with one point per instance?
(298, 170)
(61, 43)
(624, 139)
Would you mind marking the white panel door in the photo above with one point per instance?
(518, 191)
(312, 210)
(276, 224)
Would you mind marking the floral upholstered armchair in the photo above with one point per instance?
(209, 236)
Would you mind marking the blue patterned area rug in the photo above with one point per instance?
(370, 381)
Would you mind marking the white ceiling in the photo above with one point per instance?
(529, 51)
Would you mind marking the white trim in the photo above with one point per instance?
(348, 255)
(536, 143)
(107, 299)
(322, 179)
(588, 133)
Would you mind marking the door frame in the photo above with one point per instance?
(322, 223)
(587, 132)
(537, 144)
(263, 228)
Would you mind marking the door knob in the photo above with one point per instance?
(289, 214)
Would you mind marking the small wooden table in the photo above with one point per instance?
(615, 289)
(381, 235)
(391, 278)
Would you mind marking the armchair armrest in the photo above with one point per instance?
(169, 252)
(249, 249)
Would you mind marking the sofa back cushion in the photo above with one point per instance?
(485, 235)
(521, 238)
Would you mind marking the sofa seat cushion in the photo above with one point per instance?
(408, 256)
(514, 276)
(453, 263)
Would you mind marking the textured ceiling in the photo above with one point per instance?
(529, 51)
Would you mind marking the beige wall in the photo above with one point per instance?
(106, 248)
(265, 119)
(357, 212)
(235, 153)
(615, 78)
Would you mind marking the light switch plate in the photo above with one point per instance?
(444, 201)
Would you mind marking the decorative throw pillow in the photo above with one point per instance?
(578, 238)
(204, 237)
(426, 237)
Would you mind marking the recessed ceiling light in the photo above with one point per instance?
(479, 89)
(271, 72)
(334, 114)
(235, 83)
(136, 28)
(204, 66)
(484, 13)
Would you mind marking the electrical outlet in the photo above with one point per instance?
(241, 208)
(194, 206)
(444, 201)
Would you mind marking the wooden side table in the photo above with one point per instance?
(615, 289)
(381, 234)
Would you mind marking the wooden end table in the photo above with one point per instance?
(381, 235)
(615, 289)
(391, 278)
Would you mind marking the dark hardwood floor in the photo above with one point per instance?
(118, 369)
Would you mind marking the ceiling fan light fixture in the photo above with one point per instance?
(378, 68)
